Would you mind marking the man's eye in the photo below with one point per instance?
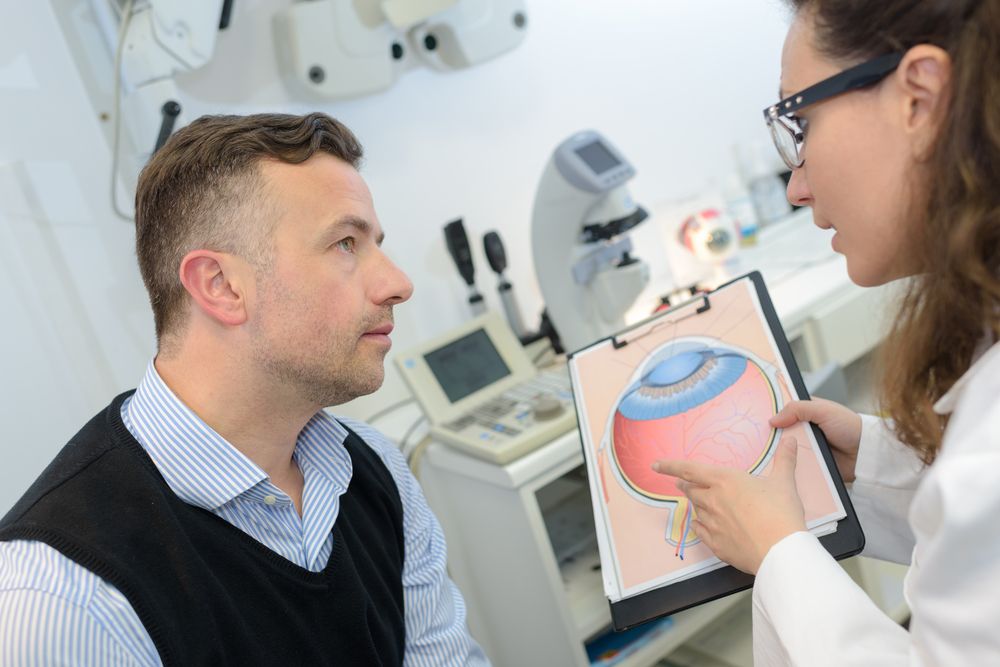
(800, 122)
(347, 245)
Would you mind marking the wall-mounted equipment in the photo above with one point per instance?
(330, 49)
(153, 40)
(335, 49)
(461, 252)
(497, 257)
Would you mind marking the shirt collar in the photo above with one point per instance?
(201, 467)
(983, 356)
(320, 448)
(197, 463)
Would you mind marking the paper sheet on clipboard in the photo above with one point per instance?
(685, 384)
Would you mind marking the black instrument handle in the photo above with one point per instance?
(458, 247)
(170, 110)
(495, 253)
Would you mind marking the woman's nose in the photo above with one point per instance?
(798, 192)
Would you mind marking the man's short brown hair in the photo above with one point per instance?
(203, 189)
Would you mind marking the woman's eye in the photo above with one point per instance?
(803, 123)
(347, 245)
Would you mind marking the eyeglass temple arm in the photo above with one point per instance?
(860, 76)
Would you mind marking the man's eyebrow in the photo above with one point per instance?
(361, 225)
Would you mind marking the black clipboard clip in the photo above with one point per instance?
(624, 338)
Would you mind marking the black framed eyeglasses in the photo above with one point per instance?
(786, 129)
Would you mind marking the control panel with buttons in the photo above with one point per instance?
(482, 394)
(517, 421)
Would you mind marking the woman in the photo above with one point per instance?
(890, 120)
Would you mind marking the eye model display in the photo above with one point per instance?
(693, 400)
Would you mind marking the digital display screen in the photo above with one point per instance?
(466, 365)
(597, 157)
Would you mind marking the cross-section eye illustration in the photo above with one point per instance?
(692, 400)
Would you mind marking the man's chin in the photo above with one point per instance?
(363, 385)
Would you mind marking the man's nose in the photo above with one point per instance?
(397, 286)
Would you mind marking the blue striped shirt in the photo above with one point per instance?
(55, 612)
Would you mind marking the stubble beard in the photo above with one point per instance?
(321, 374)
(325, 377)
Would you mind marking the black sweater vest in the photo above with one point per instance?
(207, 593)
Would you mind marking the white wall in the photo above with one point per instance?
(76, 327)
(673, 84)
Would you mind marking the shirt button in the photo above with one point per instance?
(270, 500)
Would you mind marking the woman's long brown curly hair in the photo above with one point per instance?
(954, 303)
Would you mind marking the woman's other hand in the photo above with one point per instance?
(739, 516)
(840, 425)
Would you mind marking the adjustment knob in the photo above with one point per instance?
(547, 407)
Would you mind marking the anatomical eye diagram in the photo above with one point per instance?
(700, 383)
(694, 399)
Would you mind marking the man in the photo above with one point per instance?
(218, 515)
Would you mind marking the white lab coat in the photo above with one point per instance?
(943, 520)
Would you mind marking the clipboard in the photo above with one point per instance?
(846, 538)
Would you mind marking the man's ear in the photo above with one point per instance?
(216, 285)
(923, 76)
